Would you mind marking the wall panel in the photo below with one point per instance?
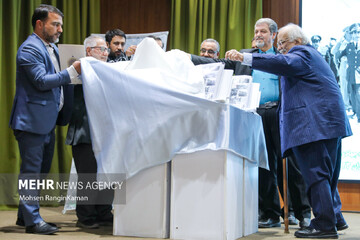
(135, 16)
(282, 11)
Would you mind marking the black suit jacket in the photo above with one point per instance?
(79, 129)
(239, 69)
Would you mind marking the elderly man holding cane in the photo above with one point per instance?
(312, 123)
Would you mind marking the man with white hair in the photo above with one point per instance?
(312, 123)
(90, 214)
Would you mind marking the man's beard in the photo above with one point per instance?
(260, 43)
(51, 38)
(114, 56)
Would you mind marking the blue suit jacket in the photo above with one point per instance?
(37, 97)
(312, 107)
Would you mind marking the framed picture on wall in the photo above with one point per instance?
(333, 27)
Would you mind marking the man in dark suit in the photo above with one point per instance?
(94, 212)
(269, 203)
(43, 99)
(312, 123)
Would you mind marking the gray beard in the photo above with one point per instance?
(260, 44)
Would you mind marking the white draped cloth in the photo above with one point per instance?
(142, 113)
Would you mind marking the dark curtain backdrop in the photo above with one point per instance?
(81, 18)
(230, 22)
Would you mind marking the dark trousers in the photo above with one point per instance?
(320, 164)
(269, 203)
(86, 167)
(36, 152)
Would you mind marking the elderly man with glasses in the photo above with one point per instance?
(312, 123)
(210, 48)
(94, 212)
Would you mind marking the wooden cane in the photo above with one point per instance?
(286, 210)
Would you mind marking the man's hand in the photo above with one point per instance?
(234, 55)
(77, 66)
(131, 50)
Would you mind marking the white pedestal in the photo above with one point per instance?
(146, 211)
(214, 195)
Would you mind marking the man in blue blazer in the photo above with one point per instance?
(312, 123)
(43, 99)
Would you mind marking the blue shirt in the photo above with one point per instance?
(269, 83)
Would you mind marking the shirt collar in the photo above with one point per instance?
(271, 50)
(45, 43)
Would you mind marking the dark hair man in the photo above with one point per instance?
(43, 99)
(115, 40)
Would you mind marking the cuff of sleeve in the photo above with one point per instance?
(73, 75)
(247, 59)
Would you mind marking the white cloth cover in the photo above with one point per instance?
(143, 113)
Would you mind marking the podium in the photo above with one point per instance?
(209, 192)
(214, 195)
(146, 212)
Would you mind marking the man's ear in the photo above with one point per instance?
(107, 44)
(273, 36)
(39, 24)
(88, 49)
(298, 41)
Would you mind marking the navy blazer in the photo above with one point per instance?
(312, 107)
(37, 97)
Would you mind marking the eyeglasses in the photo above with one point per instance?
(102, 49)
(355, 32)
(210, 51)
(281, 42)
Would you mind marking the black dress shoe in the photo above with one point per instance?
(292, 220)
(269, 223)
(107, 221)
(41, 228)
(341, 227)
(21, 223)
(88, 224)
(304, 223)
(313, 233)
